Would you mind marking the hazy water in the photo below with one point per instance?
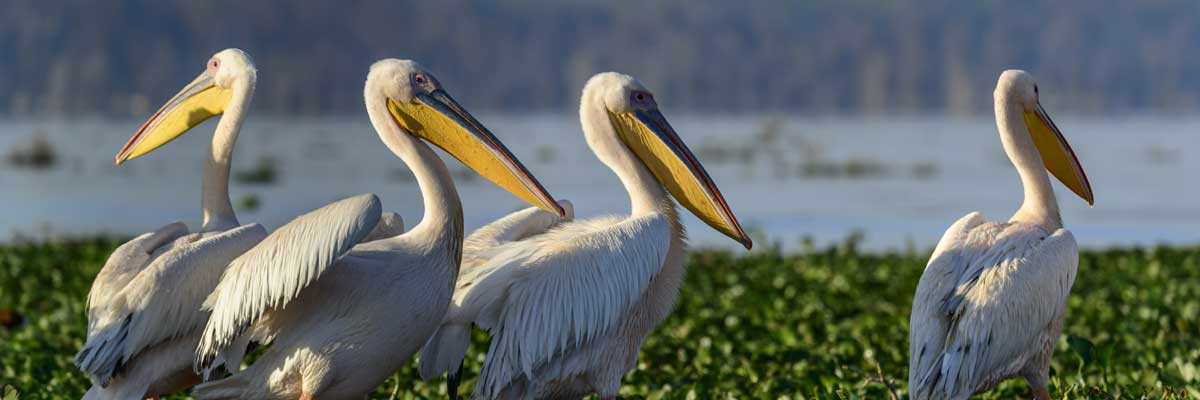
(915, 176)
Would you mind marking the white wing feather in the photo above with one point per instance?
(163, 300)
(927, 333)
(126, 262)
(983, 305)
(274, 272)
(540, 297)
(482, 244)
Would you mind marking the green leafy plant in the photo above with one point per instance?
(826, 323)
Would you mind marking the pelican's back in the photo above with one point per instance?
(991, 300)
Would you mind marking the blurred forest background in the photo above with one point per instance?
(119, 58)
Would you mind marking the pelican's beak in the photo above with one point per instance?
(437, 118)
(652, 139)
(1057, 154)
(197, 102)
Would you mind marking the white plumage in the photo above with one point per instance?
(989, 306)
(569, 302)
(273, 273)
(144, 315)
(343, 313)
(991, 302)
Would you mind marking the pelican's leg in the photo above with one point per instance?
(1041, 393)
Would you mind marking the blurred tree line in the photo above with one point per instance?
(124, 57)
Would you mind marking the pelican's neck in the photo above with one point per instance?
(443, 219)
(218, 211)
(1039, 206)
(646, 195)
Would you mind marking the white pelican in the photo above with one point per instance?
(342, 316)
(144, 316)
(569, 303)
(991, 302)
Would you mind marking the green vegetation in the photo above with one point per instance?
(822, 323)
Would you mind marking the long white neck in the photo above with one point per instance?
(218, 211)
(443, 220)
(645, 193)
(1039, 206)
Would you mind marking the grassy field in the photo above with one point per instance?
(819, 324)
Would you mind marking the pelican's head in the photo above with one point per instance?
(206, 97)
(420, 107)
(1021, 90)
(644, 131)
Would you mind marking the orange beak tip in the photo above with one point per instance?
(748, 243)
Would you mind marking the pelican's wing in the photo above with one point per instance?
(540, 297)
(927, 329)
(995, 316)
(126, 262)
(390, 225)
(274, 272)
(163, 300)
(482, 244)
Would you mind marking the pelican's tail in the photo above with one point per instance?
(230, 388)
(445, 350)
(102, 356)
(452, 381)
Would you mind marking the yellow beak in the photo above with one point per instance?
(1057, 154)
(197, 102)
(437, 118)
(656, 144)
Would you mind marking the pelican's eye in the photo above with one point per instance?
(213, 64)
(641, 98)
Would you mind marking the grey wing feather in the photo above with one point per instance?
(163, 301)
(127, 261)
(390, 225)
(274, 272)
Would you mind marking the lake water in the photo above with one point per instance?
(900, 181)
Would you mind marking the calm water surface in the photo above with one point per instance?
(899, 181)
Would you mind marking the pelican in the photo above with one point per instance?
(144, 316)
(341, 315)
(991, 303)
(568, 303)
